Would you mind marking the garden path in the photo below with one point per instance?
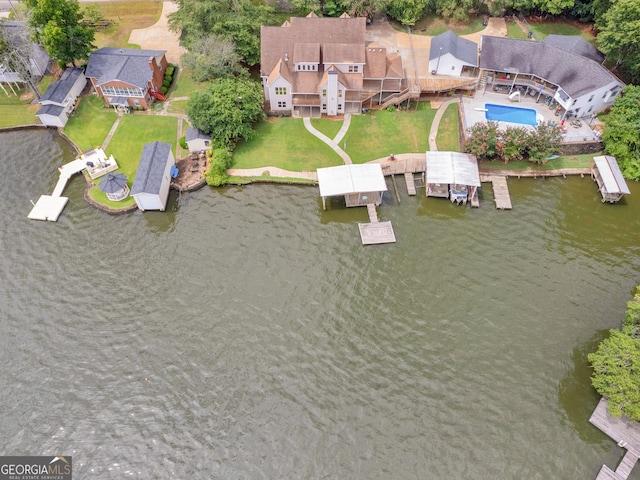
(433, 132)
(334, 146)
(114, 127)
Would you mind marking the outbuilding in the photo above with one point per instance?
(451, 55)
(452, 174)
(360, 185)
(606, 173)
(114, 185)
(197, 140)
(60, 98)
(151, 184)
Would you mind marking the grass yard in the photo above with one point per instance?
(381, 133)
(434, 25)
(541, 30)
(447, 138)
(329, 127)
(126, 146)
(91, 122)
(571, 161)
(17, 109)
(284, 143)
(185, 85)
(126, 16)
(177, 106)
(514, 31)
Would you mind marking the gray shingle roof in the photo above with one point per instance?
(54, 110)
(58, 90)
(113, 182)
(576, 74)
(461, 48)
(17, 34)
(576, 44)
(123, 64)
(153, 163)
(195, 133)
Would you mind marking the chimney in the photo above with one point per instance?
(152, 63)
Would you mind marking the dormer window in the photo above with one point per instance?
(353, 68)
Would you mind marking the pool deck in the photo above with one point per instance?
(473, 112)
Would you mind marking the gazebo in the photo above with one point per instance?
(452, 174)
(115, 186)
(361, 184)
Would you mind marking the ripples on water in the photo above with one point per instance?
(247, 334)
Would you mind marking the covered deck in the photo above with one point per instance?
(452, 174)
(606, 173)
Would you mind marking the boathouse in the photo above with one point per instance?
(453, 175)
(151, 184)
(606, 173)
(361, 184)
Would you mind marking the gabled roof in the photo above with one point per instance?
(336, 53)
(461, 48)
(376, 66)
(49, 109)
(124, 64)
(611, 174)
(17, 34)
(576, 44)
(151, 168)
(276, 42)
(195, 133)
(306, 52)
(577, 75)
(59, 90)
(345, 179)
(452, 168)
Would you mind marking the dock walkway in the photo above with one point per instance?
(625, 432)
(501, 195)
(49, 207)
(411, 183)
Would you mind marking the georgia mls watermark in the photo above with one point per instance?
(35, 468)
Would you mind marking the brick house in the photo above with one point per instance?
(126, 77)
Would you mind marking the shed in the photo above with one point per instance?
(452, 174)
(197, 140)
(606, 173)
(450, 54)
(151, 184)
(115, 186)
(60, 98)
(360, 184)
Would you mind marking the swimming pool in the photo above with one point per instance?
(505, 113)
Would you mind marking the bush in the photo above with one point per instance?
(220, 163)
(166, 83)
(183, 142)
(170, 69)
(164, 90)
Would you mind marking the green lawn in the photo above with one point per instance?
(177, 106)
(435, 25)
(17, 109)
(90, 124)
(329, 127)
(381, 133)
(541, 30)
(514, 31)
(571, 161)
(185, 85)
(447, 138)
(284, 143)
(126, 146)
(127, 16)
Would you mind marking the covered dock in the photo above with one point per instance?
(452, 175)
(606, 173)
(359, 184)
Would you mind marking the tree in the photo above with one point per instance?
(620, 135)
(227, 110)
(616, 376)
(212, 57)
(16, 56)
(56, 25)
(511, 146)
(407, 12)
(220, 163)
(543, 141)
(483, 140)
(235, 20)
(618, 37)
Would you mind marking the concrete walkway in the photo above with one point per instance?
(114, 127)
(433, 132)
(334, 146)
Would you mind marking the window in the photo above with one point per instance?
(281, 90)
(591, 98)
(453, 67)
(339, 106)
(282, 104)
(353, 68)
(324, 106)
(136, 102)
(590, 108)
(324, 92)
(339, 93)
(122, 91)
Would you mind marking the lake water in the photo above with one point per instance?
(247, 334)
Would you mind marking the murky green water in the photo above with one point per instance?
(246, 333)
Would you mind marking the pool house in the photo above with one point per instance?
(574, 84)
(606, 173)
(452, 175)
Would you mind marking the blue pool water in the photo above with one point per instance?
(505, 113)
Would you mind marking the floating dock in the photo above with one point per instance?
(624, 431)
(376, 232)
(49, 207)
(411, 183)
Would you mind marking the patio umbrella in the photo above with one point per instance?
(113, 183)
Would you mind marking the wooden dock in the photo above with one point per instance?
(375, 232)
(411, 183)
(625, 432)
(501, 195)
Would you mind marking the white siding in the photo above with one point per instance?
(280, 102)
(448, 65)
(53, 121)
(600, 99)
(198, 144)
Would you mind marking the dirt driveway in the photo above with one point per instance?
(159, 37)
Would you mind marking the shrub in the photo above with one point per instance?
(391, 108)
(220, 163)
(170, 69)
(183, 142)
(164, 90)
(166, 83)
